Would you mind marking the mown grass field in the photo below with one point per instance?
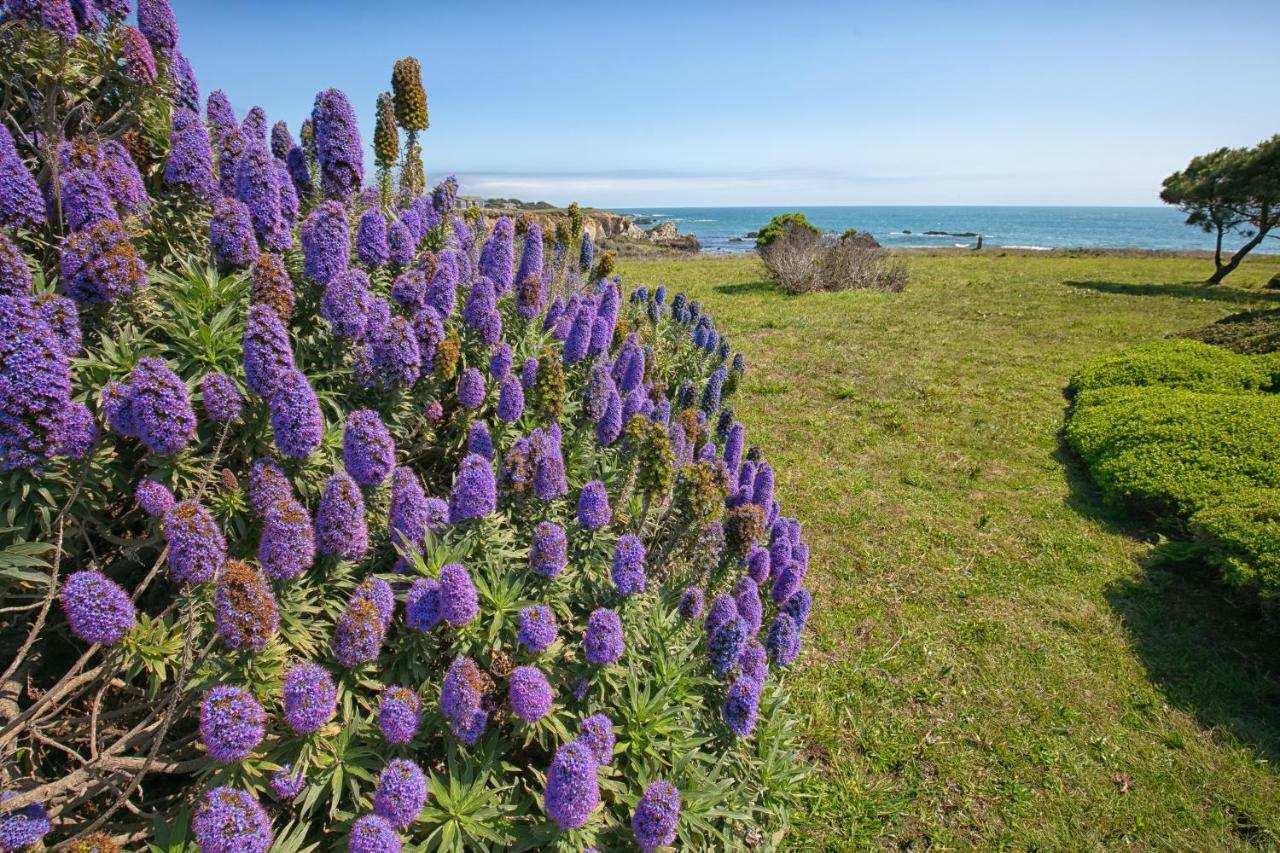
(997, 660)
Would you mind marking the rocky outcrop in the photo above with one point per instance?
(604, 227)
(667, 235)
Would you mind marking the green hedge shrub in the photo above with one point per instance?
(1242, 530)
(1179, 363)
(1182, 430)
(1171, 450)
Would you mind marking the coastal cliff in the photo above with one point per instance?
(613, 231)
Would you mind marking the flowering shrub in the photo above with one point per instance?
(331, 513)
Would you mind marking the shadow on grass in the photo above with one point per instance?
(748, 288)
(1193, 289)
(1208, 647)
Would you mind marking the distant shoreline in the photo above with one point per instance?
(996, 251)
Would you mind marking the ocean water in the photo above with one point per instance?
(725, 229)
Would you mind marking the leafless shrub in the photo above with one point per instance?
(849, 266)
(794, 259)
(802, 261)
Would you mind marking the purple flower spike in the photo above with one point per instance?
(690, 604)
(458, 601)
(340, 525)
(288, 544)
(471, 389)
(603, 640)
(371, 239)
(400, 244)
(628, 565)
(741, 706)
(656, 816)
(550, 552)
(326, 242)
(268, 486)
(231, 233)
(229, 820)
(401, 793)
(231, 723)
(310, 698)
(481, 312)
(197, 548)
(399, 714)
(338, 145)
(410, 515)
(85, 200)
(497, 256)
(537, 628)
(368, 452)
(21, 204)
(460, 699)
(573, 787)
(422, 606)
(157, 23)
(154, 498)
(510, 399)
(596, 733)
(296, 419)
(222, 401)
(98, 610)
(475, 492)
(530, 694)
(593, 506)
(373, 834)
(246, 615)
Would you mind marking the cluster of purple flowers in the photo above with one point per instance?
(197, 548)
(21, 203)
(628, 565)
(98, 609)
(229, 820)
(459, 603)
(246, 615)
(154, 407)
(232, 723)
(399, 714)
(24, 827)
(537, 628)
(338, 147)
(373, 834)
(368, 452)
(288, 545)
(461, 700)
(530, 694)
(573, 786)
(310, 697)
(35, 386)
(401, 793)
(222, 400)
(340, 524)
(550, 552)
(603, 640)
(362, 627)
(99, 265)
(475, 492)
(656, 816)
(596, 733)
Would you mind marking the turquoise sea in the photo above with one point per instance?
(725, 229)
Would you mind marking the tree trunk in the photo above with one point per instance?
(1229, 267)
(1217, 250)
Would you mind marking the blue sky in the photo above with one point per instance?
(745, 103)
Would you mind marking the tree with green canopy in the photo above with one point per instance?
(1231, 190)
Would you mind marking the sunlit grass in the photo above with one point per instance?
(993, 662)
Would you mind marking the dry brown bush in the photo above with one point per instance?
(802, 261)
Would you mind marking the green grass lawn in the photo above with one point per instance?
(996, 659)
